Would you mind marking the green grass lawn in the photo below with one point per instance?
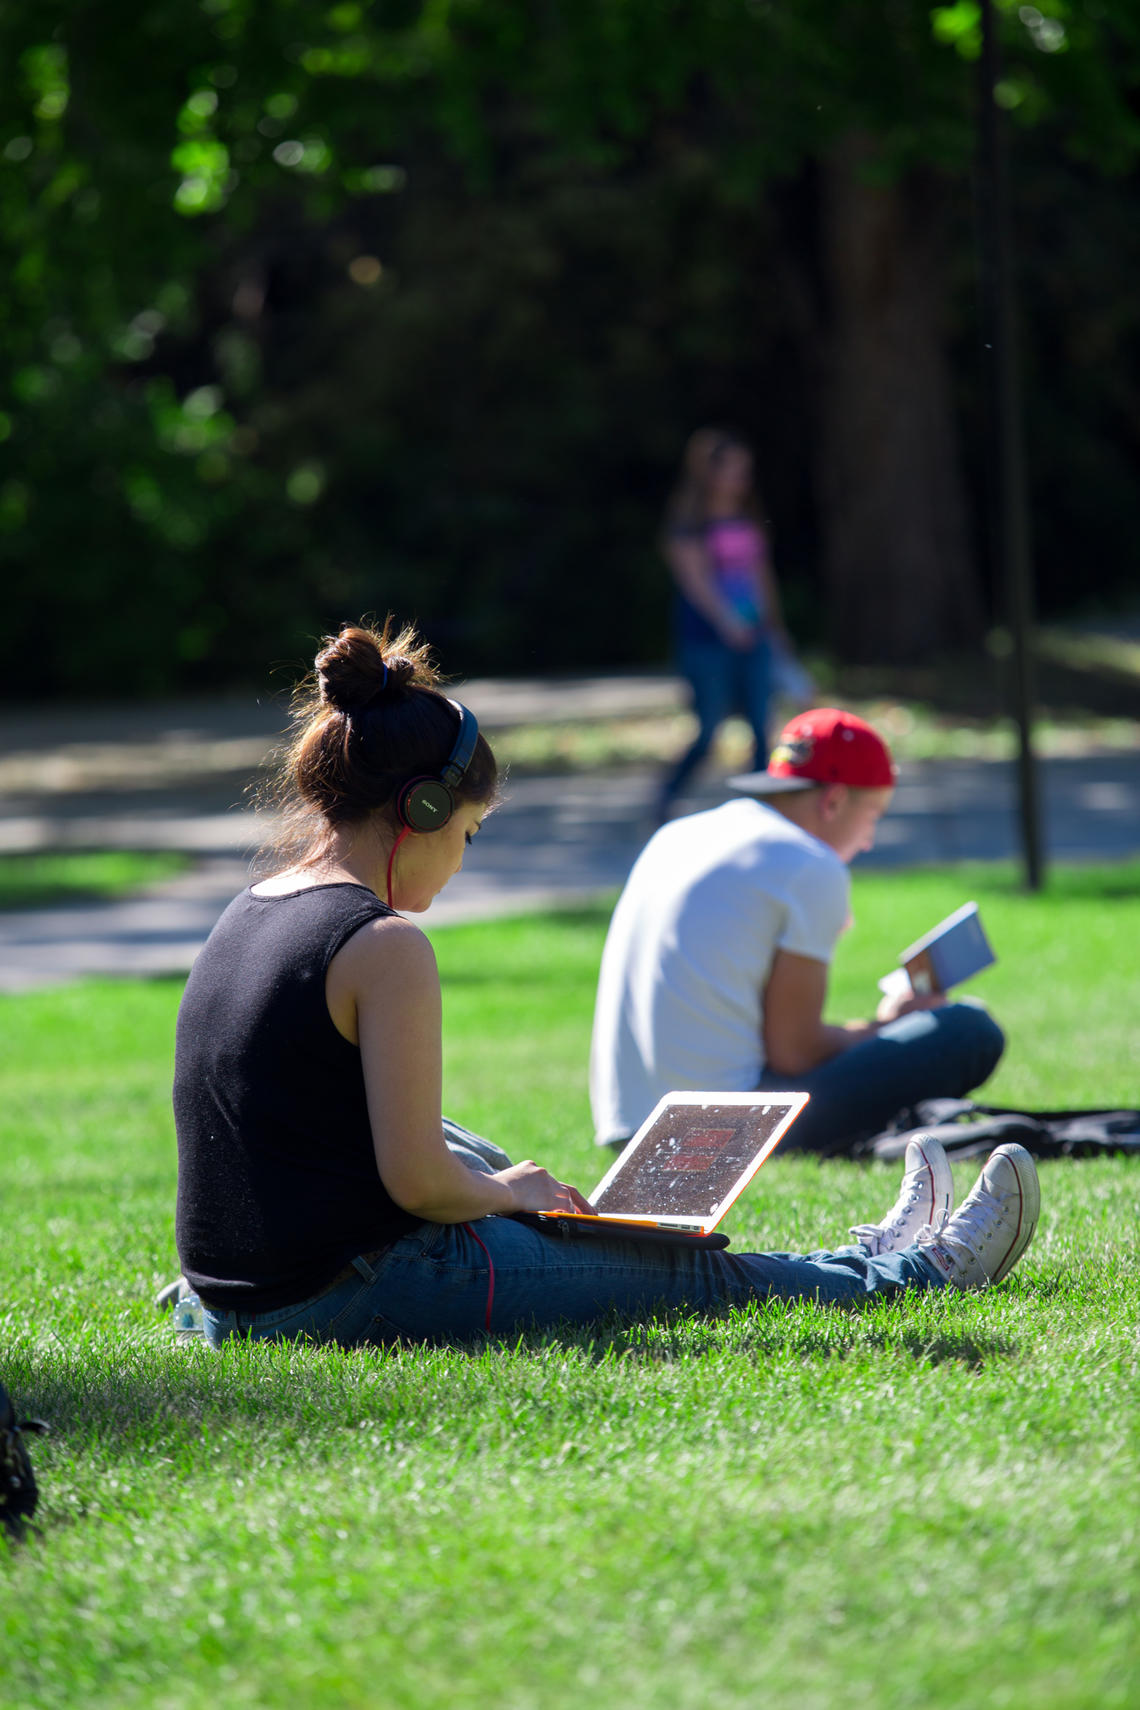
(932, 1502)
(43, 879)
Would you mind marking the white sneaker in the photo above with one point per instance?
(925, 1200)
(168, 1297)
(988, 1233)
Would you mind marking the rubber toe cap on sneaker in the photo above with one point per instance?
(1014, 1174)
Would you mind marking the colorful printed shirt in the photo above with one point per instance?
(737, 551)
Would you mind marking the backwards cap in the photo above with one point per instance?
(823, 746)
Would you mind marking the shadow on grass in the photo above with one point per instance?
(963, 1347)
(105, 1397)
(1071, 882)
(1058, 1285)
(1097, 885)
(784, 1330)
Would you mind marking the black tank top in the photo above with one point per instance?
(277, 1181)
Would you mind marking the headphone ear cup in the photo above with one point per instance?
(425, 804)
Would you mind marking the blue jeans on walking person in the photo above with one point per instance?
(435, 1285)
(723, 681)
(933, 1053)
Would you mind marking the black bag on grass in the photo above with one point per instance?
(969, 1130)
(18, 1493)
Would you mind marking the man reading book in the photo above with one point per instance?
(715, 968)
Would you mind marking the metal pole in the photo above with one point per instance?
(1009, 516)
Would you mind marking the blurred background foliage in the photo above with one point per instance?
(315, 309)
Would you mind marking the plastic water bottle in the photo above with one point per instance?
(188, 1317)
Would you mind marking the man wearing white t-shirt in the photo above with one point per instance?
(714, 973)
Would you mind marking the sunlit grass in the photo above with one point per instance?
(928, 1503)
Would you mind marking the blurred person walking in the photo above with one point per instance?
(729, 629)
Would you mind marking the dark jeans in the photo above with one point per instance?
(934, 1053)
(722, 681)
(448, 1282)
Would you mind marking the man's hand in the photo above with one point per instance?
(891, 1007)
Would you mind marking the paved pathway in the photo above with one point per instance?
(173, 777)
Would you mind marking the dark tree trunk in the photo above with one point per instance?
(900, 582)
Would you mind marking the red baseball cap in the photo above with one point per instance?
(823, 746)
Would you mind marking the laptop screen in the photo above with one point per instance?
(695, 1154)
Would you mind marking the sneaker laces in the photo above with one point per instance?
(974, 1223)
(866, 1233)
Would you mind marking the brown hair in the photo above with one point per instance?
(688, 502)
(369, 718)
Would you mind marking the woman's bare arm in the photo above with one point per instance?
(389, 967)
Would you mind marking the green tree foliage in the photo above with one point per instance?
(312, 307)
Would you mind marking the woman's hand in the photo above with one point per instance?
(535, 1189)
(737, 633)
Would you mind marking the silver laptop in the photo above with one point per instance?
(691, 1159)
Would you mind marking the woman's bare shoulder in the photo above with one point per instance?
(386, 968)
(391, 940)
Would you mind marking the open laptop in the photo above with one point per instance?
(690, 1160)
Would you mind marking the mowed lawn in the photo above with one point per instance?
(933, 1502)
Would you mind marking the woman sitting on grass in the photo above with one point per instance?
(320, 1191)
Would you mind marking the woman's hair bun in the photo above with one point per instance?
(369, 718)
(360, 666)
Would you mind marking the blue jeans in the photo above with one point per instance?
(447, 1282)
(723, 681)
(934, 1053)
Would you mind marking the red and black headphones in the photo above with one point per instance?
(426, 804)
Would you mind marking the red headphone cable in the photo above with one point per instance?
(490, 1278)
(392, 858)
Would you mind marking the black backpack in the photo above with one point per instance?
(969, 1130)
(18, 1493)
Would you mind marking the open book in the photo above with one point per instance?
(955, 950)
